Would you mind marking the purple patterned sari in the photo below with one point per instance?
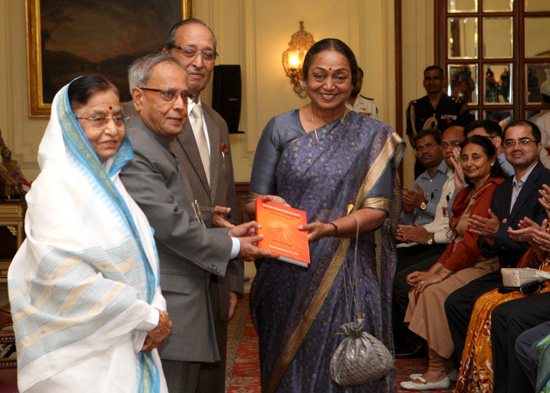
(297, 311)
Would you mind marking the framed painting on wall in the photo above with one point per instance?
(67, 38)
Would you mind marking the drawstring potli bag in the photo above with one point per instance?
(360, 357)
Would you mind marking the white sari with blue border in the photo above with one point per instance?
(84, 286)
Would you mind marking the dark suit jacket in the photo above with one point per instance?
(508, 250)
(188, 253)
(221, 190)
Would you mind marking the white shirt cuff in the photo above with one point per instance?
(235, 248)
(441, 237)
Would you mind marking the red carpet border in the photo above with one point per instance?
(243, 365)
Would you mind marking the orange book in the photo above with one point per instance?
(281, 234)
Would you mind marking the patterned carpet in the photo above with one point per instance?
(243, 367)
(8, 370)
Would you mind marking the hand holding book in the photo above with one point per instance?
(247, 234)
(249, 250)
(249, 228)
(280, 225)
(275, 199)
(317, 230)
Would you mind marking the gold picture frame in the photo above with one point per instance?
(106, 33)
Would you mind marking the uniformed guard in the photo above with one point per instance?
(359, 103)
(436, 110)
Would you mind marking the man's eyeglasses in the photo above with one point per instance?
(445, 145)
(520, 141)
(101, 121)
(430, 146)
(171, 95)
(190, 52)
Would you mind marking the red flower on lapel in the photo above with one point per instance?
(223, 148)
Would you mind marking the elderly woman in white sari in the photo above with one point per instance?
(84, 286)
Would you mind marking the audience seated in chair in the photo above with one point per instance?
(514, 200)
(461, 262)
(423, 245)
(476, 366)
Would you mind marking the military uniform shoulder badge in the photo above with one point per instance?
(366, 98)
(457, 100)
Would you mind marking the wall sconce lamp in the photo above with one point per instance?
(293, 58)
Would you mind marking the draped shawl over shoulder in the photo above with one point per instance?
(351, 163)
(84, 284)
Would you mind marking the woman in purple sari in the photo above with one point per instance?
(331, 163)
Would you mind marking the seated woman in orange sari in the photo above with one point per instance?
(461, 263)
(476, 365)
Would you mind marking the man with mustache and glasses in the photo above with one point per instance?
(516, 199)
(419, 203)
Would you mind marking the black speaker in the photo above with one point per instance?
(226, 95)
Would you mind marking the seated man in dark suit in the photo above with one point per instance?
(509, 321)
(527, 344)
(188, 252)
(512, 201)
(526, 317)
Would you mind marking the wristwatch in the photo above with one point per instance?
(423, 205)
(431, 239)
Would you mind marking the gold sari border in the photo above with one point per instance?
(309, 316)
(376, 203)
(393, 146)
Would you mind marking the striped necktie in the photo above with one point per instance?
(200, 138)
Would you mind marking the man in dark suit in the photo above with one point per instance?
(513, 200)
(203, 151)
(188, 252)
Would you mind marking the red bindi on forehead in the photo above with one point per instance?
(110, 108)
(330, 68)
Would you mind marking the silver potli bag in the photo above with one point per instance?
(360, 357)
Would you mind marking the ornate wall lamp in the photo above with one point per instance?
(293, 58)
